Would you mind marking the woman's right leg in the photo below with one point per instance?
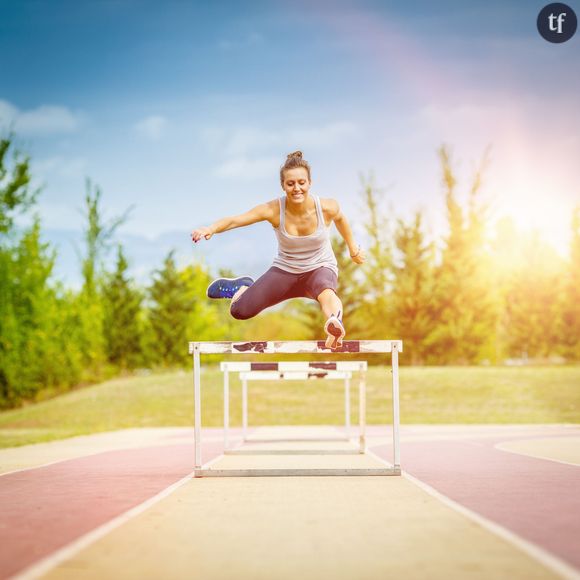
(271, 288)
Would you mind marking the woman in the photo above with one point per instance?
(305, 265)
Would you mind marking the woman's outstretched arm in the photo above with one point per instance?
(357, 254)
(260, 213)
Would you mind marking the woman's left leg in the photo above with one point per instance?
(330, 303)
(321, 285)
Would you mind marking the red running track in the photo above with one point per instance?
(46, 508)
(537, 499)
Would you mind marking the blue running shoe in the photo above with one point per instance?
(227, 287)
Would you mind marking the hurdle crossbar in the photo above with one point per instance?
(301, 371)
(282, 366)
(294, 375)
(295, 347)
(292, 370)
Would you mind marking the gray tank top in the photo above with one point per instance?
(299, 254)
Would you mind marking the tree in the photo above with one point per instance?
(532, 302)
(90, 314)
(172, 303)
(463, 302)
(16, 194)
(26, 332)
(570, 326)
(378, 269)
(122, 316)
(98, 235)
(207, 318)
(26, 300)
(413, 287)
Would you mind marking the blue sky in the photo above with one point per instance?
(185, 110)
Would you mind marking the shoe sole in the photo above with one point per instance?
(334, 336)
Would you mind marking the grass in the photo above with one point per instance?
(428, 395)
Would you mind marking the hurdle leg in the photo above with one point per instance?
(197, 409)
(362, 408)
(226, 410)
(347, 406)
(244, 409)
(396, 418)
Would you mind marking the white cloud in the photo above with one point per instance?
(152, 127)
(325, 136)
(242, 141)
(73, 167)
(43, 120)
(252, 152)
(247, 168)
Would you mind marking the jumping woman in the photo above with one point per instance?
(305, 266)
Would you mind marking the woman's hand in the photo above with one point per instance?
(196, 235)
(359, 256)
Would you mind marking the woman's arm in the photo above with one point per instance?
(259, 213)
(332, 209)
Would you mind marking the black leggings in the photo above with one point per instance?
(277, 285)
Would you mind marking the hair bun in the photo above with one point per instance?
(293, 161)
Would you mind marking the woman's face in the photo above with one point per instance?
(296, 184)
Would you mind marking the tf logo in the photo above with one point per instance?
(557, 22)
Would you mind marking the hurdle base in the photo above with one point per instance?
(292, 452)
(294, 439)
(379, 471)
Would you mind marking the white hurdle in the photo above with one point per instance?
(296, 371)
(295, 347)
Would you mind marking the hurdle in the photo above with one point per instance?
(300, 371)
(196, 349)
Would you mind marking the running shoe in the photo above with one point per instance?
(334, 331)
(227, 287)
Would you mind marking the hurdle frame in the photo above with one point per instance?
(296, 370)
(294, 347)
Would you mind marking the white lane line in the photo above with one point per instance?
(66, 552)
(499, 447)
(550, 561)
(209, 439)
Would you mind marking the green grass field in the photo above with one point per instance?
(428, 395)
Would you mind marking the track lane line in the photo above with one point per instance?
(550, 561)
(46, 564)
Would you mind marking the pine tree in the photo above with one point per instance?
(27, 330)
(532, 304)
(171, 305)
(16, 193)
(570, 327)
(464, 305)
(24, 268)
(378, 268)
(206, 319)
(90, 313)
(122, 316)
(413, 288)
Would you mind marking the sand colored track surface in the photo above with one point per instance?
(535, 499)
(258, 528)
(563, 449)
(123, 505)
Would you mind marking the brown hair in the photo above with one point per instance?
(294, 160)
